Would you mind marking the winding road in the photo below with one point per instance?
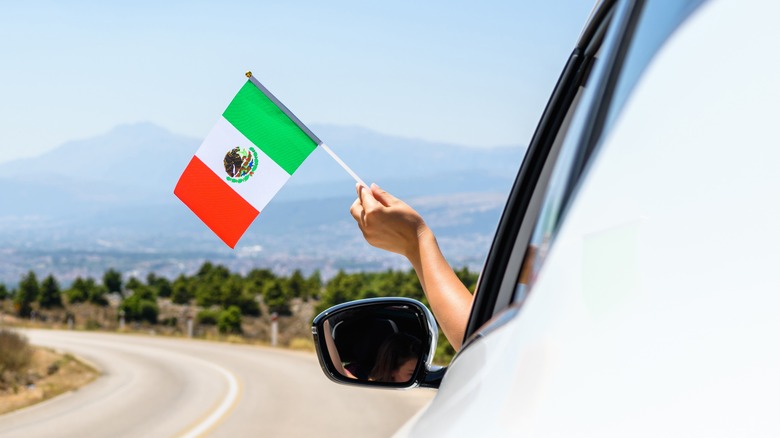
(167, 387)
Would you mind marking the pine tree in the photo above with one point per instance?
(276, 298)
(50, 295)
(296, 285)
(26, 295)
(97, 293)
(78, 291)
(133, 284)
(112, 280)
(181, 292)
(314, 285)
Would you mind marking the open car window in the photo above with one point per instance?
(563, 121)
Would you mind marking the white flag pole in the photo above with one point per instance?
(343, 165)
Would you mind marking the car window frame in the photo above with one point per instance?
(498, 279)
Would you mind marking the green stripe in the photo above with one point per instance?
(264, 124)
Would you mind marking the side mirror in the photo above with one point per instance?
(378, 342)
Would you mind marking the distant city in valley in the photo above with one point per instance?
(107, 202)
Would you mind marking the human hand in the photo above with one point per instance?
(386, 221)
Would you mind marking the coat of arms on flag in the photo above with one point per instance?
(240, 164)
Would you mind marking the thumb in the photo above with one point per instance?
(382, 196)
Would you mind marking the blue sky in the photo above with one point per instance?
(473, 73)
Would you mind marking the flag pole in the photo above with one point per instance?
(304, 128)
(343, 165)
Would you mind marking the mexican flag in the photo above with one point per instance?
(247, 157)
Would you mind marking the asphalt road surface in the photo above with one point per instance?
(166, 387)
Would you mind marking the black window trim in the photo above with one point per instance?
(493, 273)
(517, 204)
(595, 126)
(594, 131)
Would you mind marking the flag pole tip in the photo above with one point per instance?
(249, 74)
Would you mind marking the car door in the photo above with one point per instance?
(476, 393)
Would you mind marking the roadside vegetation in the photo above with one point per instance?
(15, 356)
(212, 303)
(30, 375)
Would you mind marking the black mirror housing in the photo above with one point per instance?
(378, 342)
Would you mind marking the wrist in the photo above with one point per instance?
(423, 238)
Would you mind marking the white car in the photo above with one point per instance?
(633, 284)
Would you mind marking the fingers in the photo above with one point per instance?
(357, 212)
(370, 202)
(366, 197)
(358, 187)
(382, 196)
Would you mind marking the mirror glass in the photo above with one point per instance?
(382, 343)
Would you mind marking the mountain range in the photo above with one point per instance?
(108, 201)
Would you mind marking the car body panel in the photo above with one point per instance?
(655, 311)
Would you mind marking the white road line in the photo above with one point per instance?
(222, 410)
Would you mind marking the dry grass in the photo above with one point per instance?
(48, 375)
(15, 354)
(302, 344)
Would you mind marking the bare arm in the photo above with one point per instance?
(390, 224)
(334, 352)
(449, 298)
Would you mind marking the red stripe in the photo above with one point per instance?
(214, 202)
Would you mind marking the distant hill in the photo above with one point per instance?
(143, 160)
(114, 193)
(141, 155)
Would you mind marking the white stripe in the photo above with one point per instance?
(259, 188)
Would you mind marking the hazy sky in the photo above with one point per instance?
(474, 73)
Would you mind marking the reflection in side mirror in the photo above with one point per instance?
(385, 342)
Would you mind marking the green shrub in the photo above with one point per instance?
(229, 320)
(141, 306)
(171, 321)
(148, 311)
(207, 317)
(444, 351)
